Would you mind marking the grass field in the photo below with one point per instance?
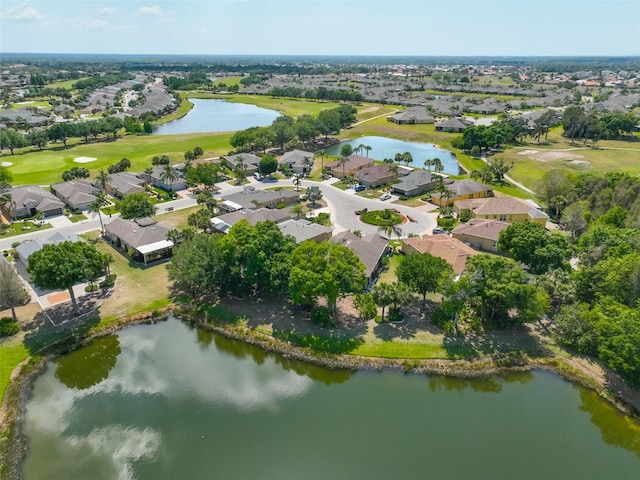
(12, 352)
(65, 83)
(45, 167)
(138, 288)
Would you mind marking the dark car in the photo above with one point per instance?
(359, 188)
(437, 231)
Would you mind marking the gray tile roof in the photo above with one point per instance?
(140, 233)
(369, 248)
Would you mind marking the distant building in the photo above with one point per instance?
(353, 164)
(461, 190)
(250, 162)
(298, 160)
(480, 234)
(412, 115)
(303, 230)
(250, 197)
(504, 209)
(370, 249)
(29, 247)
(450, 249)
(456, 125)
(30, 200)
(416, 183)
(77, 194)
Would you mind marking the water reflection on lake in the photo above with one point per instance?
(179, 402)
(212, 115)
(382, 147)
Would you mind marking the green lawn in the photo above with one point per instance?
(65, 83)
(12, 352)
(45, 167)
(19, 228)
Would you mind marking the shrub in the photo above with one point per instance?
(365, 305)
(91, 288)
(383, 218)
(464, 216)
(395, 315)
(8, 327)
(475, 151)
(109, 281)
(447, 223)
(321, 316)
(15, 244)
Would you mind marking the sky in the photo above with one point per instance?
(323, 27)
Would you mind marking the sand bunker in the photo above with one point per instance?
(551, 156)
(581, 163)
(6, 164)
(528, 152)
(84, 159)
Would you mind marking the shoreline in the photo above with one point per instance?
(13, 441)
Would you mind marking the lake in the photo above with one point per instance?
(382, 147)
(212, 115)
(168, 401)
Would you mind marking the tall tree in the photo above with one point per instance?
(324, 270)
(96, 206)
(424, 274)
(103, 179)
(136, 205)
(169, 175)
(62, 265)
(12, 291)
(383, 294)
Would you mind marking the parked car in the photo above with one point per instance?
(437, 231)
(385, 196)
(257, 176)
(359, 188)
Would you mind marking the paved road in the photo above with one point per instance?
(342, 205)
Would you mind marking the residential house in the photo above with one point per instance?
(251, 162)
(411, 116)
(416, 183)
(76, 194)
(158, 179)
(480, 233)
(370, 249)
(250, 197)
(379, 175)
(303, 230)
(504, 209)
(450, 249)
(126, 183)
(144, 238)
(222, 223)
(461, 190)
(353, 164)
(298, 160)
(29, 247)
(30, 200)
(456, 125)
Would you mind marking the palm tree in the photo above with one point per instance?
(383, 294)
(297, 181)
(392, 168)
(147, 174)
(169, 175)
(306, 163)
(103, 179)
(298, 209)
(437, 165)
(343, 161)
(95, 206)
(360, 148)
(390, 230)
(368, 149)
(428, 163)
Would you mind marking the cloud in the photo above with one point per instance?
(108, 11)
(157, 12)
(22, 12)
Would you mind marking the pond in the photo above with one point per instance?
(213, 115)
(382, 147)
(170, 401)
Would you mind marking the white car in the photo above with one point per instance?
(385, 196)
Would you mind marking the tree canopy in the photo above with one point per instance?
(136, 205)
(62, 265)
